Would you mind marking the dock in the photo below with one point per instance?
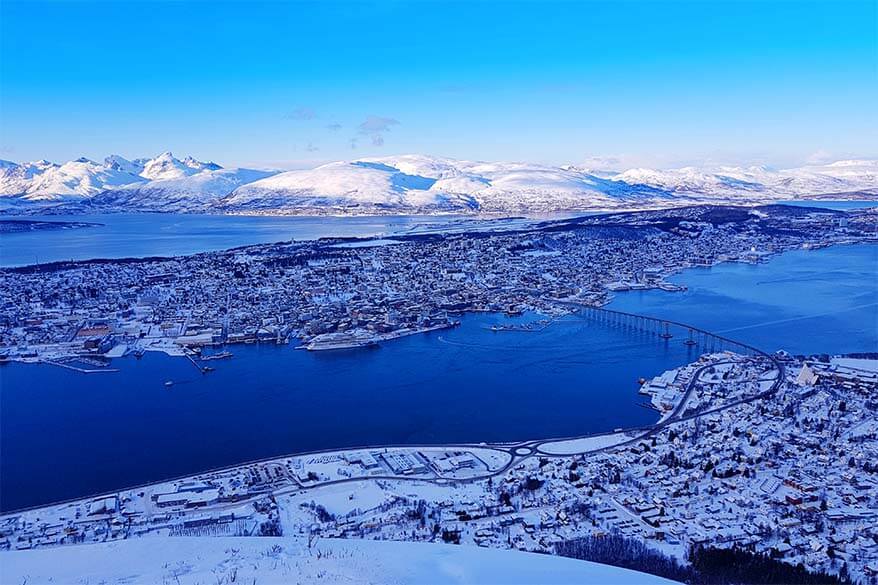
(80, 370)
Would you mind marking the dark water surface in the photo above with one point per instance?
(805, 301)
(135, 235)
(65, 434)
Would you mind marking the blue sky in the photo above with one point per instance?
(290, 84)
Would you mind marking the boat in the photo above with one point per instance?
(169, 383)
(342, 340)
(327, 345)
(217, 356)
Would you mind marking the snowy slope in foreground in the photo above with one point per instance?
(191, 560)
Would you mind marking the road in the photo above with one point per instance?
(518, 452)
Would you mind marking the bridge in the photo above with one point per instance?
(706, 341)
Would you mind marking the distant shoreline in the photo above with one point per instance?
(15, 226)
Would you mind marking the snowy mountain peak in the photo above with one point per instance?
(201, 166)
(83, 178)
(119, 163)
(166, 166)
(413, 183)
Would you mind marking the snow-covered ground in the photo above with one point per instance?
(261, 561)
(865, 365)
(584, 444)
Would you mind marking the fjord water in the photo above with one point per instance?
(804, 301)
(65, 434)
(137, 235)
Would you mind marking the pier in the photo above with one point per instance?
(202, 369)
(80, 370)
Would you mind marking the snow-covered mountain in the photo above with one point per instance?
(364, 185)
(163, 183)
(415, 183)
(188, 193)
(842, 177)
(419, 183)
(410, 184)
(165, 166)
(43, 180)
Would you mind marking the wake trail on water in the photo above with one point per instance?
(820, 276)
(801, 318)
(616, 347)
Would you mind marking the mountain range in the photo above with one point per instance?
(405, 184)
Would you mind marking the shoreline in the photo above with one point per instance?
(520, 448)
(169, 346)
(67, 208)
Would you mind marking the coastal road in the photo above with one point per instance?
(517, 452)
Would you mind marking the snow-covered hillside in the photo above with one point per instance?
(165, 166)
(841, 178)
(410, 184)
(365, 185)
(193, 192)
(200, 560)
(163, 183)
(415, 183)
(46, 181)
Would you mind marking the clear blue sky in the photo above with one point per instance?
(292, 83)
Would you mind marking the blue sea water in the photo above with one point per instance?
(829, 204)
(804, 301)
(134, 235)
(65, 434)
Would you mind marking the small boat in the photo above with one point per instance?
(169, 383)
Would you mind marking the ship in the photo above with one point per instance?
(343, 340)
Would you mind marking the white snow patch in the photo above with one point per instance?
(192, 560)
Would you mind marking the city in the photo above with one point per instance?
(769, 452)
(331, 294)
(425, 292)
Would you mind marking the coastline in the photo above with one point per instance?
(174, 348)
